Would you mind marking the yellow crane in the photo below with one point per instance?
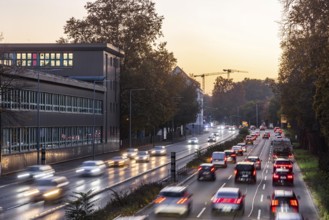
(226, 71)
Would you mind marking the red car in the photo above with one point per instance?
(266, 135)
(283, 163)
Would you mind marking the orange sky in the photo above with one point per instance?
(204, 35)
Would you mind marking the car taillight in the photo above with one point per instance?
(235, 172)
(293, 202)
(290, 176)
(258, 162)
(182, 201)
(225, 159)
(275, 176)
(212, 169)
(233, 155)
(200, 168)
(254, 173)
(275, 202)
(227, 200)
(159, 200)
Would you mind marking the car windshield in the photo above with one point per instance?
(244, 167)
(253, 159)
(142, 153)
(220, 156)
(89, 163)
(172, 194)
(117, 158)
(159, 147)
(282, 162)
(206, 167)
(35, 168)
(227, 195)
(132, 150)
(46, 182)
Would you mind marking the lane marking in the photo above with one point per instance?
(229, 177)
(264, 186)
(265, 178)
(261, 198)
(198, 216)
(223, 185)
(259, 212)
(266, 171)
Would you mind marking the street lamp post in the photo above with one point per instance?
(130, 91)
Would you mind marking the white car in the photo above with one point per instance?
(143, 156)
(193, 140)
(158, 151)
(48, 189)
(35, 172)
(243, 145)
(131, 153)
(92, 168)
(173, 200)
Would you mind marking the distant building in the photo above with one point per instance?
(197, 126)
(66, 102)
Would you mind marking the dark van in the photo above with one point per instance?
(245, 172)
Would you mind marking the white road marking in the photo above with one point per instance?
(265, 178)
(223, 185)
(264, 186)
(261, 198)
(198, 216)
(258, 216)
(266, 171)
(229, 177)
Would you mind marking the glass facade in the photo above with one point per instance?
(36, 59)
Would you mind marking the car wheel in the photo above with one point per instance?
(213, 178)
(198, 178)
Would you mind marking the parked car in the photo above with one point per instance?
(36, 172)
(118, 161)
(143, 156)
(206, 171)
(173, 200)
(91, 168)
(228, 200)
(158, 151)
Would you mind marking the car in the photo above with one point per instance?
(91, 168)
(193, 140)
(256, 160)
(207, 171)
(245, 172)
(218, 159)
(266, 135)
(238, 150)
(231, 128)
(173, 200)
(118, 161)
(282, 176)
(283, 199)
(262, 128)
(288, 215)
(283, 163)
(243, 146)
(143, 156)
(230, 156)
(34, 172)
(216, 134)
(159, 150)
(284, 153)
(48, 189)
(131, 153)
(249, 140)
(212, 139)
(228, 200)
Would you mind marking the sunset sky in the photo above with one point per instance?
(205, 35)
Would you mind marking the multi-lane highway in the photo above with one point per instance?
(257, 204)
(16, 205)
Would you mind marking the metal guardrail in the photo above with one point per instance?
(192, 155)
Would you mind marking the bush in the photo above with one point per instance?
(80, 207)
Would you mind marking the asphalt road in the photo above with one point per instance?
(257, 204)
(17, 205)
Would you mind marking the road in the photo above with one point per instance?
(256, 201)
(17, 205)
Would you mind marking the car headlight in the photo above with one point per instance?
(80, 170)
(51, 193)
(23, 175)
(95, 170)
(31, 192)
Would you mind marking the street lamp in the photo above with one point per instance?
(130, 91)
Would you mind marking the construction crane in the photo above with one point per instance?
(226, 71)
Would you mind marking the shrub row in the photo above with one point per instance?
(316, 180)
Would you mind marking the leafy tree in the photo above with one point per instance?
(80, 207)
